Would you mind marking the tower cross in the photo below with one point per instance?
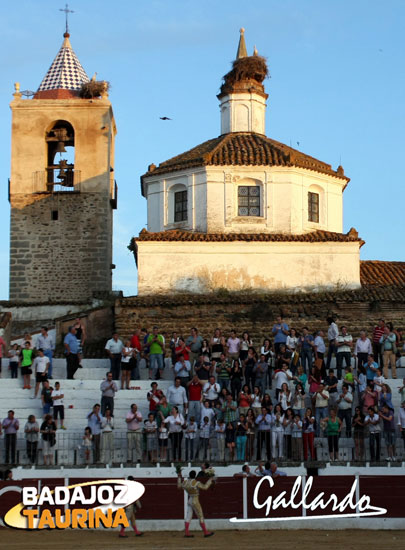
(67, 11)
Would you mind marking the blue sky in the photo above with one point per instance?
(337, 87)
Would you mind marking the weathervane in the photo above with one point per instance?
(67, 11)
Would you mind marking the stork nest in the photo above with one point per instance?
(247, 68)
(93, 88)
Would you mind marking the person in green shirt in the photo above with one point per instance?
(333, 426)
(349, 378)
(27, 356)
(156, 344)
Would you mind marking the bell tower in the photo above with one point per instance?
(62, 190)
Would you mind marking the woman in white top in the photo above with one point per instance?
(298, 401)
(245, 344)
(217, 344)
(292, 345)
(277, 431)
(126, 365)
(284, 397)
(175, 423)
(256, 401)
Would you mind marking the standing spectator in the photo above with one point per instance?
(14, 360)
(205, 351)
(267, 351)
(333, 333)
(280, 331)
(220, 433)
(195, 391)
(249, 366)
(223, 372)
(207, 410)
(296, 438)
(217, 344)
(319, 349)
(401, 391)
(386, 397)
(372, 420)
(182, 370)
(292, 344)
(10, 426)
(128, 365)
(114, 347)
(308, 431)
(107, 437)
(358, 426)
(233, 346)
(162, 411)
(154, 396)
(389, 350)
(87, 440)
(331, 384)
(176, 396)
(230, 410)
(134, 434)
(156, 345)
(190, 435)
(379, 381)
(281, 376)
(345, 403)
(204, 369)
(230, 440)
(31, 430)
(301, 377)
(81, 337)
(194, 342)
(26, 363)
(361, 380)
(245, 344)
(175, 423)
(236, 379)
(151, 438)
(40, 365)
(244, 400)
(333, 426)
(182, 349)
(256, 399)
(277, 432)
(58, 407)
(250, 434)
(263, 422)
(3, 350)
(306, 341)
(136, 345)
(401, 421)
(298, 401)
(48, 431)
(321, 399)
(344, 343)
(241, 438)
(287, 425)
(205, 433)
(46, 398)
(362, 348)
(71, 345)
(260, 373)
(94, 423)
(173, 344)
(47, 344)
(377, 333)
(163, 436)
(387, 416)
(370, 397)
(211, 390)
(108, 390)
(371, 368)
(285, 396)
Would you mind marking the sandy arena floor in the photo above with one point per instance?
(254, 540)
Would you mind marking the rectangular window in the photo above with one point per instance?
(313, 207)
(180, 206)
(55, 215)
(248, 200)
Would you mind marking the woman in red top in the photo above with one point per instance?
(244, 400)
(182, 349)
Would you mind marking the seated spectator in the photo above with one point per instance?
(245, 472)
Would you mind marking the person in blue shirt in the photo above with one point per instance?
(306, 341)
(71, 344)
(371, 368)
(280, 331)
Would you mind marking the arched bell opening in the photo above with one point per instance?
(60, 140)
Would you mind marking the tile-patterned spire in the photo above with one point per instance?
(65, 72)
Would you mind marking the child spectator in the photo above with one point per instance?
(190, 435)
(14, 357)
(27, 355)
(87, 444)
(349, 379)
(220, 433)
(151, 439)
(296, 438)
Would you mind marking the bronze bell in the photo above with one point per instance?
(60, 147)
(62, 170)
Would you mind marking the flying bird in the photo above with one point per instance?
(165, 118)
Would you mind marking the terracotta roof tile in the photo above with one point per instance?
(376, 273)
(314, 236)
(244, 149)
